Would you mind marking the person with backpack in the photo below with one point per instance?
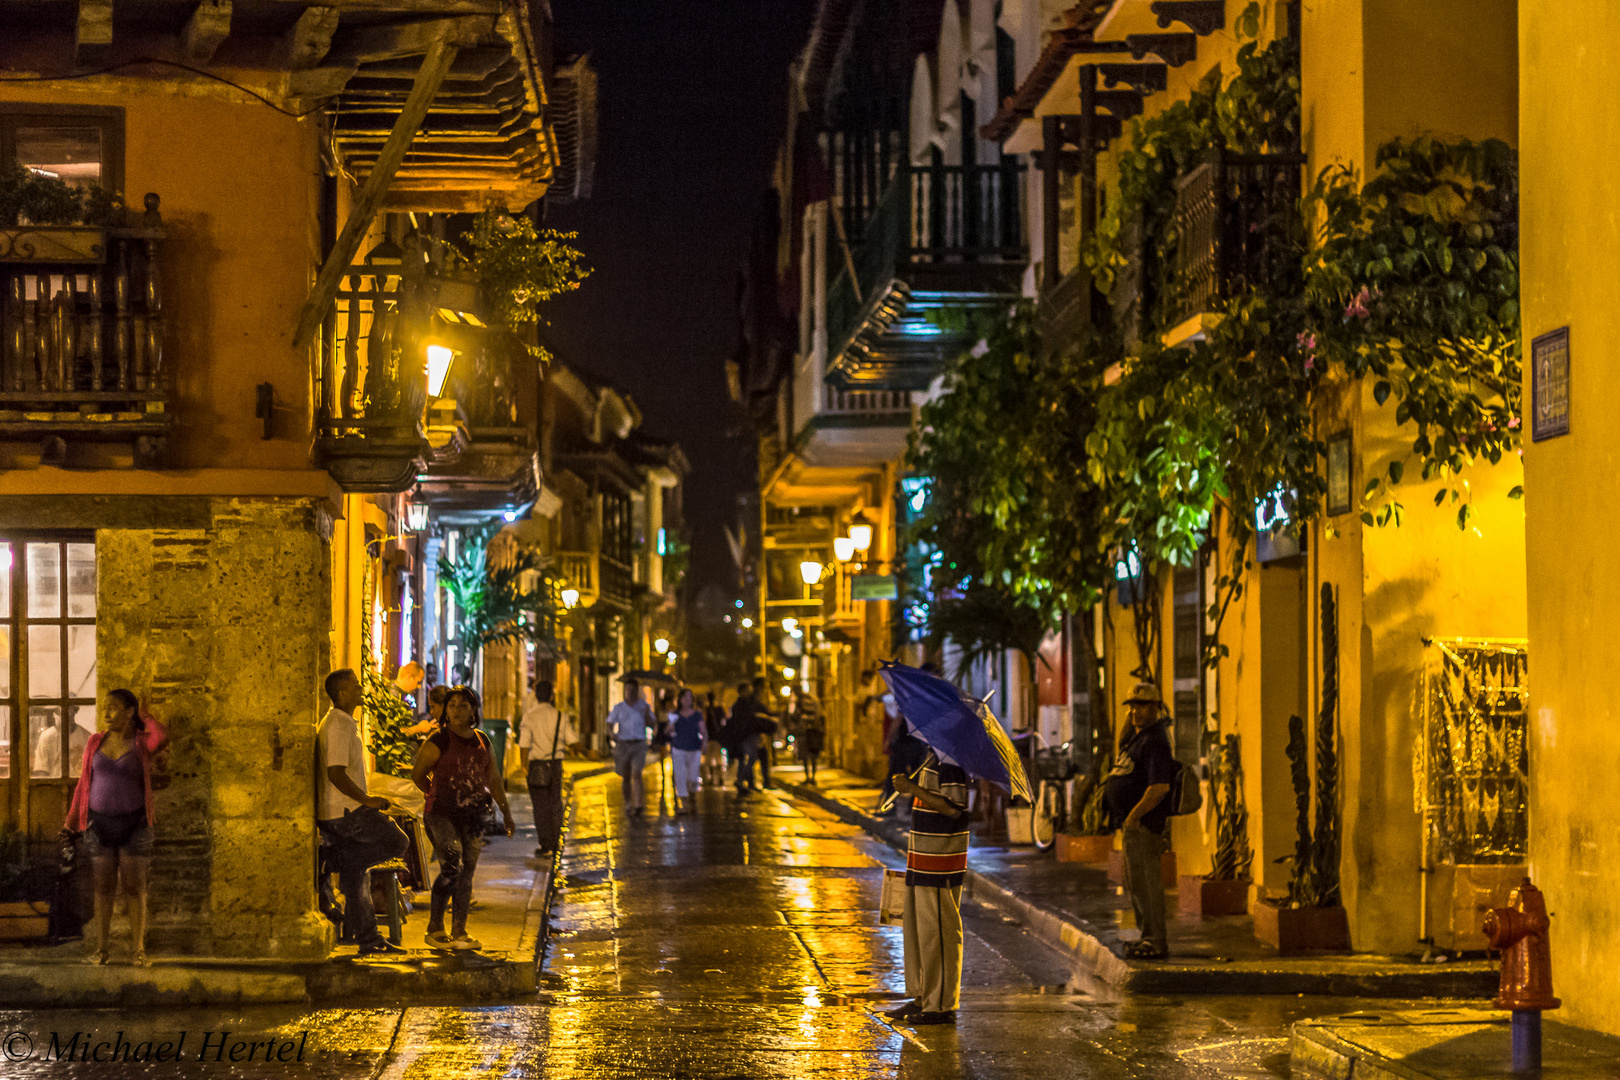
(1136, 794)
(545, 734)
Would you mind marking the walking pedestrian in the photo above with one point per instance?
(688, 731)
(1134, 793)
(810, 734)
(630, 720)
(460, 775)
(352, 821)
(546, 731)
(112, 806)
(743, 729)
(936, 863)
(714, 762)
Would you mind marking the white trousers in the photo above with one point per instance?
(688, 768)
(933, 937)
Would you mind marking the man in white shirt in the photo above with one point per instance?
(629, 722)
(359, 834)
(545, 734)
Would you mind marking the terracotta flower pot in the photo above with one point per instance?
(1297, 930)
(1204, 898)
(1084, 849)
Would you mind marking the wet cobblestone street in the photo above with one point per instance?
(740, 942)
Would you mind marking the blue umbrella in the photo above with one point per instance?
(957, 725)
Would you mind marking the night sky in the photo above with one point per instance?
(692, 100)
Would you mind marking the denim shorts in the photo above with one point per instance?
(138, 846)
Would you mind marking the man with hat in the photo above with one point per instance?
(1135, 795)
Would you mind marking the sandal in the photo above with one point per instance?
(1145, 950)
(139, 959)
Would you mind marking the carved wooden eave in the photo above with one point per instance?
(487, 138)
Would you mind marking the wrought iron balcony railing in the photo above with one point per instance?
(932, 217)
(81, 334)
(1235, 218)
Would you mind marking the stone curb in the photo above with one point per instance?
(1283, 975)
(204, 981)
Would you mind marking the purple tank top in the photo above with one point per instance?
(117, 786)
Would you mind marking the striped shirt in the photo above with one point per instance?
(936, 851)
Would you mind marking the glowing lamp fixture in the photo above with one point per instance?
(416, 516)
(787, 691)
(570, 597)
(509, 515)
(844, 548)
(790, 624)
(810, 571)
(862, 536)
(438, 361)
(788, 673)
(661, 645)
(748, 624)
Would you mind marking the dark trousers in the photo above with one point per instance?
(546, 795)
(359, 840)
(766, 752)
(744, 755)
(457, 843)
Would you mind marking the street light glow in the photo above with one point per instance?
(790, 624)
(438, 360)
(844, 548)
(570, 597)
(661, 645)
(748, 624)
(810, 571)
(862, 536)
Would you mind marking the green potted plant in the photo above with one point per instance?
(1312, 918)
(1225, 889)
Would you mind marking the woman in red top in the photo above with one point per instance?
(460, 775)
(112, 806)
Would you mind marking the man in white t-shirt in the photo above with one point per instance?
(546, 734)
(630, 721)
(351, 819)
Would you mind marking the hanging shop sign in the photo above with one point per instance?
(1549, 385)
(874, 587)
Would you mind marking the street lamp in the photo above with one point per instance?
(844, 548)
(810, 572)
(748, 624)
(661, 645)
(416, 516)
(862, 535)
(570, 597)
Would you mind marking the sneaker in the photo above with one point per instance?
(464, 943)
(438, 939)
(381, 947)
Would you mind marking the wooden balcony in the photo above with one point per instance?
(1231, 212)
(600, 579)
(941, 237)
(81, 336)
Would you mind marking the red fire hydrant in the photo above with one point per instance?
(1520, 931)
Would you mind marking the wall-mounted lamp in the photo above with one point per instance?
(844, 548)
(748, 624)
(788, 673)
(570, 597)
(862, 535)
(509, 516)
(416, 516)
(661, 645)
(810, 572)
(438, 362)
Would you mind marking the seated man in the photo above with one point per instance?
(352, 820)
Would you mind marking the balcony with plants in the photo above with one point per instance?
(429, 366)
(81, 319)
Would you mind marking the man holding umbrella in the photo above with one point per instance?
(963, 739)
(936, 863)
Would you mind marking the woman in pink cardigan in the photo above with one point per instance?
(112, 805)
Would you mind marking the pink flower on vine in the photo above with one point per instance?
(1307, 345)
(1513, 423)
(1358, 307)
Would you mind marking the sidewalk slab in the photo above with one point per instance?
(1073, 908)
(511, 901)
(1442, 1044)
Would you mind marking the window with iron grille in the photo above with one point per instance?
(48, 645)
